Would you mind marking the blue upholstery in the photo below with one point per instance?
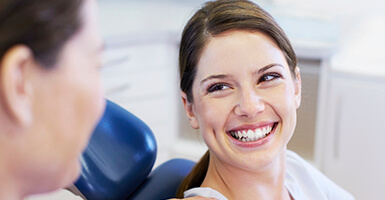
(119, 156)
(118, 160)
(164, 181)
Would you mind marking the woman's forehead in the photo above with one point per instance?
(239, 48)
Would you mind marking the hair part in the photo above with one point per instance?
(213, 19)
(44, 26)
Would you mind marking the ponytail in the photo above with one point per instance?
(196, 176)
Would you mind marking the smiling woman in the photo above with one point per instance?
(241, 88)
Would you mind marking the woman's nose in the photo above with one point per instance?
(249, 104)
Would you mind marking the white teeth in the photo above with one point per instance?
(241, 134)
(258, 133)
(251, 135)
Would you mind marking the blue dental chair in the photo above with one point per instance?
(117, 163)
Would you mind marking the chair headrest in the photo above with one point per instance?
(164, 181)
(119, 156)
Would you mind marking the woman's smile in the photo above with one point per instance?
(251, 134)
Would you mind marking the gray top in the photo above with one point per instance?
(303, 181)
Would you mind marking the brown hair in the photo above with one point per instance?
(212, 19)
(42, 25)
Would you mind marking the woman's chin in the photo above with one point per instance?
(76, 172)
(69, 175)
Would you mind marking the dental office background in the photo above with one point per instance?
(339, 44)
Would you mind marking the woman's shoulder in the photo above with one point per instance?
(303, 179)
(204, 192)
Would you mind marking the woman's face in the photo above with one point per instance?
(68, 102)
(244, 99)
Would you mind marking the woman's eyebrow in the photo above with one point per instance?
(268, 67)
(217, 76)
(223, 76)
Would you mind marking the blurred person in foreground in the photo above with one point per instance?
(50, 92)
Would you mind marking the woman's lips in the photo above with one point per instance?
(252, 135)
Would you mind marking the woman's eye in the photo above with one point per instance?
(217, 87)
(269, 77)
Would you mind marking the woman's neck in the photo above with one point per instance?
(235, 183)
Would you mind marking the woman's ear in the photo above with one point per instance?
(189, 109)
(15, 86)
(297, 87)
